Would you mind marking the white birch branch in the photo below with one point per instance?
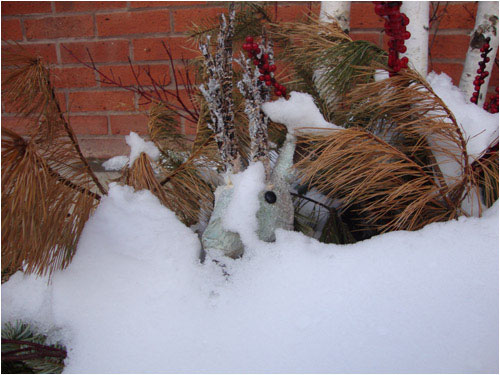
(486, 26)
(340, 11)
(418, 45)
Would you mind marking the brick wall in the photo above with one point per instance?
(115, 31)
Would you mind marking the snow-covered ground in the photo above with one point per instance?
(136, 298)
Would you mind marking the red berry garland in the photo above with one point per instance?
(395, 28)
(263, 62)
(481, 73)
(492, 104)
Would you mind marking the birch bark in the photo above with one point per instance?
(486, 26)
(340, 11)
(418, 44)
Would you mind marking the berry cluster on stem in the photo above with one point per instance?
(481, 72)
(395, 28)
(265, 65)
(491, 105)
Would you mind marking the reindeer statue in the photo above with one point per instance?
(276, 207)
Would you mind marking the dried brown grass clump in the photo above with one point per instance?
(48, 188)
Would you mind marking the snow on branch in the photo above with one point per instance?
(218, 91)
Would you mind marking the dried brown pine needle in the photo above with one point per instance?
(48, 188)
(45, 204)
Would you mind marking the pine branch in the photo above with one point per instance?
(28, 88)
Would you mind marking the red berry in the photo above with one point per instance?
(266, 67)
(272, 68)
(254, 46)
(265, 57)
(261, 71)
(407, 35)
(486, 59)
(268, 83)
(485, 74)
(406, 20)
(267, 77)
(475, 93)
(261, 78)
(477, 88)
(249, 39)
(278, 92)
(402, 49)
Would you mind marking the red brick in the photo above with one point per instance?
(363, 16)
(185, 18)
(156, 4)
(123, 73)
(184, 73)
(374, 37)
(287, 13)
(73, 77)
(92, 125)
(59, 27)
(45, 51)
(157, 21)
(453, 70)
(152, 49)
(61, 99)
(19, 125)
(11, 30)
(457, 15)
(101, 101)
(450, 46)
(171, 98)
(494, 76)
(109, 51)
(103, 148)
(82, 6)
(25, 7)
(124, 124)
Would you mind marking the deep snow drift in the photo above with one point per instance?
(136, 299)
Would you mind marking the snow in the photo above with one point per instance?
(480, 128)
(380, 75)
(139, 145)
(136, 299)
(297, 112)
(116, 163)
(241, 213)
